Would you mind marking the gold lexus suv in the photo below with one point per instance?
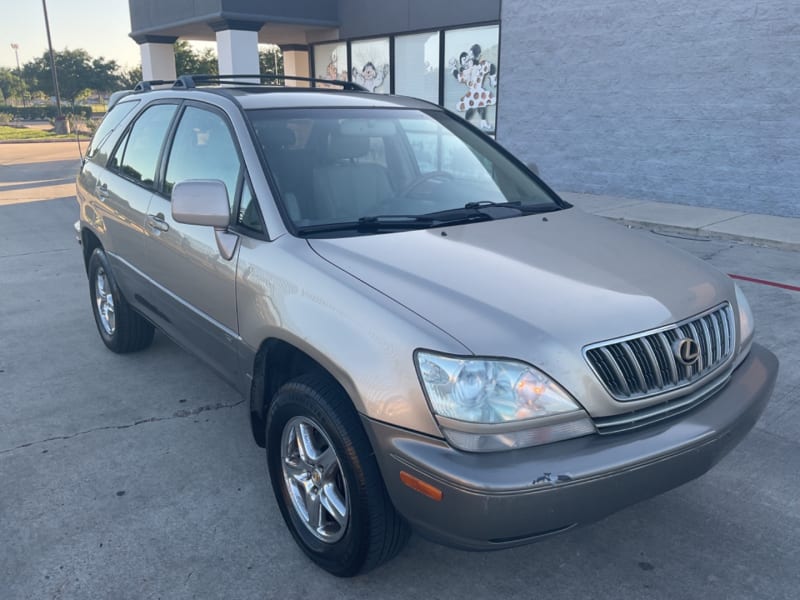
(429, 337)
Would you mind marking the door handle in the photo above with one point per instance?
(102, 191)
(157, 222)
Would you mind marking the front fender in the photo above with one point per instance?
(364, 339)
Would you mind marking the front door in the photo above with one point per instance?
(194, 286)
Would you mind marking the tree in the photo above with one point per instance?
(11, 84)
(77, 71)
(128, 78)
(189, 61)
(270, 60)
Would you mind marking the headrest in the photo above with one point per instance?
(347, 146)
(276, 137)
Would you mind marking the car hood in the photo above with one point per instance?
(536, 287)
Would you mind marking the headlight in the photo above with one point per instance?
(746, 324)
(485, 405)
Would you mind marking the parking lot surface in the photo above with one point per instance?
(136, 476)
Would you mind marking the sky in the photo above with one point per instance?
(100, 27)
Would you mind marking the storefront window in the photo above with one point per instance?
(370, 60)
(416, 66)
(470, 87)
(330, 61)
(470, 69)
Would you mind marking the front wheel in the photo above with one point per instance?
(121, 328)
(326, 480)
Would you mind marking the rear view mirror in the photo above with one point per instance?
(205, 202)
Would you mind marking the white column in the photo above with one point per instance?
(158, 61)
(237, 52)
(295, 62)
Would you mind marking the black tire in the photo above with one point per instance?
(121, 328)
(374, 532)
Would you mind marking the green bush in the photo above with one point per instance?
(44, 113)
(6, 118)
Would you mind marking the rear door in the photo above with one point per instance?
(123, 191)
(194, 287)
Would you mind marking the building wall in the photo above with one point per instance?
(363, 18)
(687, 102)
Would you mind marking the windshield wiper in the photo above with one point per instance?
(399, 221)
(526, 208)
(458, 216)
(370, 224)
(482, 203)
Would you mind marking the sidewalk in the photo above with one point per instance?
(760, 230)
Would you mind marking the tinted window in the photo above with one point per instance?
(140, 150)
(203, 149)
(96, 151)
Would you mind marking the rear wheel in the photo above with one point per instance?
(326, 481)
(121, 328)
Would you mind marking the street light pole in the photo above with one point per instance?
(15, 47)
(60, 122)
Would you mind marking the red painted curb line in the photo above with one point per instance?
(783, 286)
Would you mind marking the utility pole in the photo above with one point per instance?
(61, 123)
(15, 47)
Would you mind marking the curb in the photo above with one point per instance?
(43, 141)
(703, 234)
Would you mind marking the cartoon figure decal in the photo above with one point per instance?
(332, 71)
(370, 77)
(480, 77)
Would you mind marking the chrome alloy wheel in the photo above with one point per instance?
(314, 479)
(104, 300)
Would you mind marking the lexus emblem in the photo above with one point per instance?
(686, 351)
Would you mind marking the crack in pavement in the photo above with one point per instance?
(180, 414)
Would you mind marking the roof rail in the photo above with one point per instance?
(192, 81)
(146, 86)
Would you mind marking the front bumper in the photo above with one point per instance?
(498, 500)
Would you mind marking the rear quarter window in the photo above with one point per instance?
(136, 157)
(99, 146)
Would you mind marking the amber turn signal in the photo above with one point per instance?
(426, 489)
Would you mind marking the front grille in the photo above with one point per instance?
(643, 365)
(659, 412)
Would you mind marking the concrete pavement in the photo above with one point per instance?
(31, 172)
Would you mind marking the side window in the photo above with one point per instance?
(203, 149)
(137, 156)
(110, 122)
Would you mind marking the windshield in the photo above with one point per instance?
(351, 171)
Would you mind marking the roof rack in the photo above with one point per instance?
(146, 86)
(192, 81)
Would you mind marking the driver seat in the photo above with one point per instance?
(345, 188)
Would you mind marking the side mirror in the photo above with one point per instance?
(533, 167)
(205, 202)
(201, 202)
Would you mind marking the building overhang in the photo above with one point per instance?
(276, 21)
